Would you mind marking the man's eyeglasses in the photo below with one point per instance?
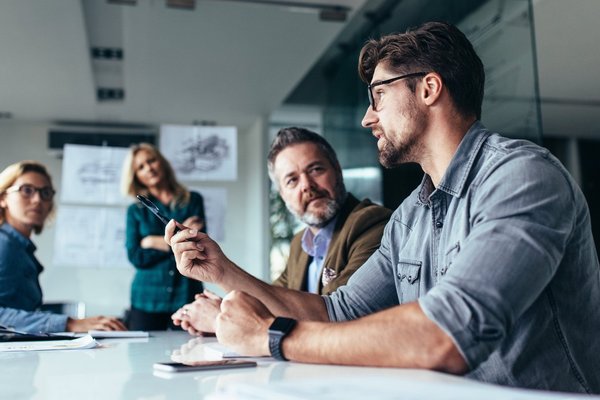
(373, 98)
(28, 191)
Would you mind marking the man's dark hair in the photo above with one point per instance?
(291, 136)
(433, 47)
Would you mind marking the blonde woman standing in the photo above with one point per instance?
(158, 289)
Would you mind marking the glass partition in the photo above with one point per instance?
(502, 33)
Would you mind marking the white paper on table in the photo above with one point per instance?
(96, 334)
(118, 334)
(216, 351)
(85, 342)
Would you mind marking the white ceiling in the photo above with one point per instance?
(230, 62)
(225, 61)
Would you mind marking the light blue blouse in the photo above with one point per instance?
(20, 291)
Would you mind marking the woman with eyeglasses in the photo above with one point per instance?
(158, 289)
(26, 201)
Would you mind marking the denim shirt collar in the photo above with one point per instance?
(12, 233)
(453, 181)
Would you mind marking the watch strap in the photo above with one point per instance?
(276, 336)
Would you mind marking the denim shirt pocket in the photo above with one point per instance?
(409, 274)
(449, 257)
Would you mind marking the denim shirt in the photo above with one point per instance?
(20, 291)
(501, 257)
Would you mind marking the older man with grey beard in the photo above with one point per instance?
(341, 232)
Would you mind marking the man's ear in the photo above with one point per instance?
(431, 89)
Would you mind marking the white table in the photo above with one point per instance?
(122, 369)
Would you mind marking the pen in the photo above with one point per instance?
(154, 209)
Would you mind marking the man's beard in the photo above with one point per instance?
(332, 207)
(392, 155)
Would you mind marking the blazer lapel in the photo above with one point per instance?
(297, 272)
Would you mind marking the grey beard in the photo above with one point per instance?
(332, 208)
(315, 221)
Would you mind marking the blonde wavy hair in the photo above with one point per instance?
(131, 186)
(9, 176)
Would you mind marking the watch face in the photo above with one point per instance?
(283, 325)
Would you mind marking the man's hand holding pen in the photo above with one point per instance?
(242, 321)
(196, 254)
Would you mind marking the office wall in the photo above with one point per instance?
(106, 291)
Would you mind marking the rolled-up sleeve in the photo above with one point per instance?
(521, 219)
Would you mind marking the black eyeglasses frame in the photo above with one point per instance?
(46, 192)
(387, 82)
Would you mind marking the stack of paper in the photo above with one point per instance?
(216, 351)
(85, 342)
(118, 334)
(108, 334)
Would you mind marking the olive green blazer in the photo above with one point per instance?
(356, 236)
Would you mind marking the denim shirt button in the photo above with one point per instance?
(439, 224)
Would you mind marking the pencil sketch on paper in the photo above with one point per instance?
(90, 237)
(91, 175)
(202, 154)
(98, 172)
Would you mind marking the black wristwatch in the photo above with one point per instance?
(278, 330)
